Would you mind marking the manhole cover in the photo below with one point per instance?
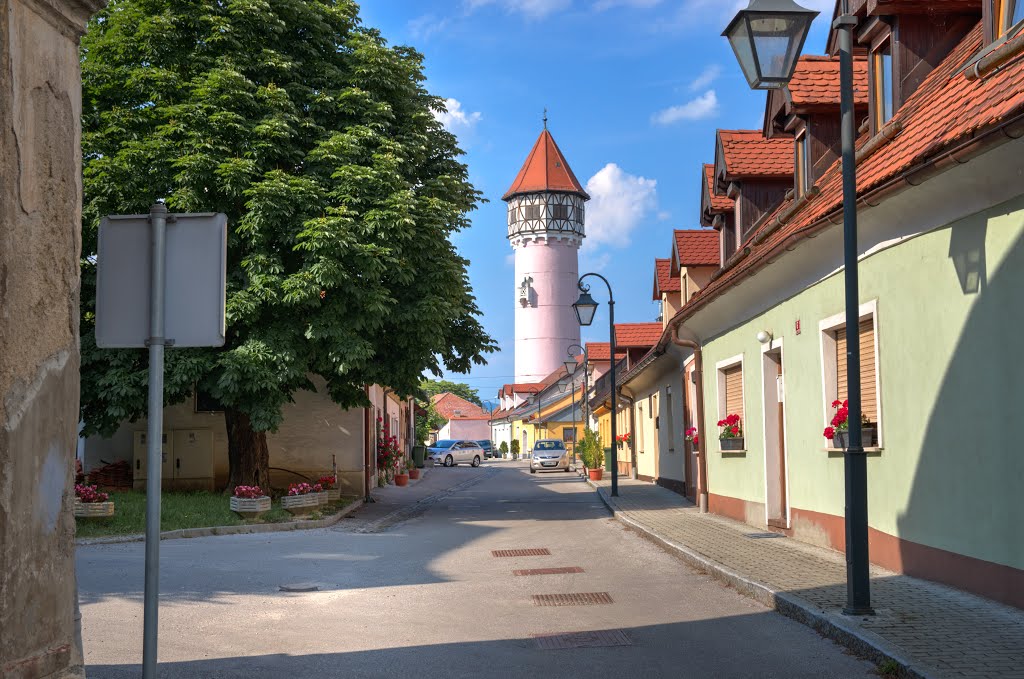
(572, 599)
(595, 639)
(548, 571)
(536, 551)
(300, 587)
(762, 536)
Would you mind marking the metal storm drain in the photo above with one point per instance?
(536, 551)
(548, 571)
(572, 599)
(763, 536)
(595, 639)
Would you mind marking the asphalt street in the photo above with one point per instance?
(415, 590)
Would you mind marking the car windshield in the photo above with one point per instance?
(444, 443)
(549, 445)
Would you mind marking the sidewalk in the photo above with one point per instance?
(930, 630)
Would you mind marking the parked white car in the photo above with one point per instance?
(549, 455)
(451, 452)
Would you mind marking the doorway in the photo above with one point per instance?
(776, 473)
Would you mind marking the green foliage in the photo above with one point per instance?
(515, 446)
(434, 387)
(503, 448)
(342, 191)
(591, 449)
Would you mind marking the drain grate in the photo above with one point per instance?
(595, 639)
(762, 536)
(548, 571)
(535, 551)
(572, 599)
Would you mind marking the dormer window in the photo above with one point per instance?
(1007, 14)
(801, 164)
(881, 84)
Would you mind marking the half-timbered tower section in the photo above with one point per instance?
(756, 173)
(545, 229)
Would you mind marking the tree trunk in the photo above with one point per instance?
(248, 456)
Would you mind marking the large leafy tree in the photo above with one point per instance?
(460, 389)
(319, 142)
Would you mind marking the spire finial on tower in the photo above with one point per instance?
(545, 117)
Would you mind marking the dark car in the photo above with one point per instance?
(487, 446)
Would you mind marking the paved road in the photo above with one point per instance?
(420, 594)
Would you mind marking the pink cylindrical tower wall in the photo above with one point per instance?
(546, 325)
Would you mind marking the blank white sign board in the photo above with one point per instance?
(196, 270)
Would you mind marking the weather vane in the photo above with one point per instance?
(545, 117)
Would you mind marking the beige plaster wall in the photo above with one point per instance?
(40, 242)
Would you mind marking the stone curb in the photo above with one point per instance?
(226, 530)
(835, 626)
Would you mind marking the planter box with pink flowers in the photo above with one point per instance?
(91, 503)
(302, 498)
(330, 486)
(250, 502)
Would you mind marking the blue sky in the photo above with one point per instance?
(634, 90)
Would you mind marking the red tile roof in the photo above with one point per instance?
(946, 110)
(664, 281)
(452, 407)
(746, 153)
(815, 82)
(718, 203)
(545, 169)
(526, 388)
(696, 248)
(637, 334)
(599, 351)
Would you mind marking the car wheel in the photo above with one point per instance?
(476, 460)
(449, 461)
(566, 469)
(533, 471)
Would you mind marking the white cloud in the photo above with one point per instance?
(706, 77)
(663, 215)
(533, 9)
(427, 25)
(602, 5)
(618, 203)
(704, 106)
(455, 118)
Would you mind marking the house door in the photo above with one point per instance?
(776, 504)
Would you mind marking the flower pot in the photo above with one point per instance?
(250, 507)
(731, 444)
(321, 497)
(595, 474)
(868, 437)
(414, 474)
(93, 510)
(401, 479)
(333, 494)
(300, 504)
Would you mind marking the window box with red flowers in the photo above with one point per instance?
(91, 503)
(249, 502)
(838, 431)
(624, 439)
(302, 498)
(693, 438)
(731, 436)
(330, 486)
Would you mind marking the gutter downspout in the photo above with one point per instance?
(367, 445)
(698, 373)
(632, 427)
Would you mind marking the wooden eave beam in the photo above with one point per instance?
(733, 190)
(896, 7)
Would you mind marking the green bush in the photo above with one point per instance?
(503, 448)
(515, 446)
(591, 450)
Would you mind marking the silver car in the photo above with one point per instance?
(450, 453)
(549, 455)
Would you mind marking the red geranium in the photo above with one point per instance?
(89, 494)
(249, 492)
(303, 489)
(731, 427)
(328, 482)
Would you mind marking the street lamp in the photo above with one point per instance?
(767, 38)
(585, 308)
(758, 33)
(572, 386)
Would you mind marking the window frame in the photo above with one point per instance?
(802, 162)
(880, 85)
(829, 369)
(720, 368)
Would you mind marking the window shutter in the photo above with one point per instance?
(868, 397)
(734, 391)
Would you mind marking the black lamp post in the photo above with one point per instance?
(767, 38)
(570, 368)
(585, 308)
(586, 372)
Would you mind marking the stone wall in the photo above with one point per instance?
(40, 220)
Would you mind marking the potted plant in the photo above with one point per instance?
(91, 503)
(624, 439)
(414, 472)
(731, 436)
(838, 432)
(302, 498)
(330, 486)
(515, 449)
(402, 475)
(693, 438)
(591, 452)
(249, 502)
(503, 449)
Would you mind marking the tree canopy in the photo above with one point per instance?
(460, 389)
(320, 143)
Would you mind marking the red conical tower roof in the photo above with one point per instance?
(545, 169)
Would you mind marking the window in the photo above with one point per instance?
(560, 211)
(802, 175)
(669, 419)
(833, 349)
(730, 388)
(1007, 14)
(531, 212)
(569, 435)
(882, 84)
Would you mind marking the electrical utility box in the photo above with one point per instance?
(140, 468)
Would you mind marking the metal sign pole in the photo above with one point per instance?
(154, 451)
